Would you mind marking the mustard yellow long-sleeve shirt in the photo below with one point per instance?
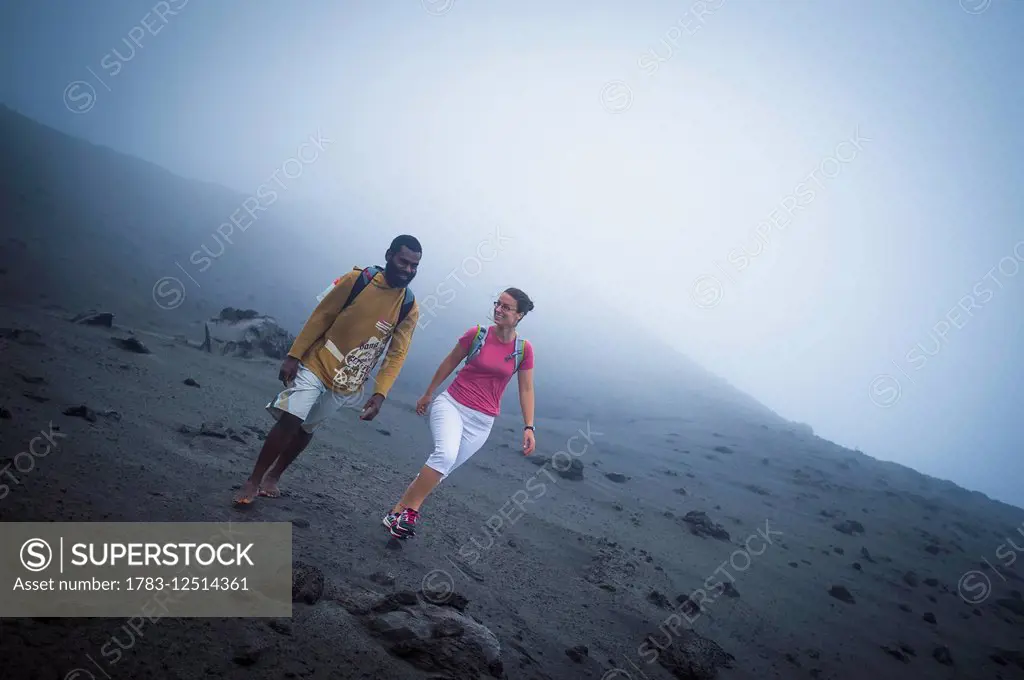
(342, 347)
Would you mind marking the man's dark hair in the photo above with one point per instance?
(524, 305)
(409, 242)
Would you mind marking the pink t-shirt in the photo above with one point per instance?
(482, 382)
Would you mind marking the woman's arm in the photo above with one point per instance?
(526, 395)
(449, 364)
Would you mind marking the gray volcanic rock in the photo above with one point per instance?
(246, 333)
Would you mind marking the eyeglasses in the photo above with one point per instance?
(503, 306)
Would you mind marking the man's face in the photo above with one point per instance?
(400, 268)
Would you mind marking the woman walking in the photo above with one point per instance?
(461, 417)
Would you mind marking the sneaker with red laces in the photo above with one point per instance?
(405, 525)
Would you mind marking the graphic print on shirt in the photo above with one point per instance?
(356, 365)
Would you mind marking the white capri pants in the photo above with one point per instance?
(459, 432)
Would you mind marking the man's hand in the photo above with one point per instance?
(529, 442)
(372, 407)
(289, 368)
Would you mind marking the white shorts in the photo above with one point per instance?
(310, 400)
(459, 432)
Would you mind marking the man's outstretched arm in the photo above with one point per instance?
(399, 349)
(323, 316)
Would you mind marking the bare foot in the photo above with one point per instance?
(246, 494)
(269, 488)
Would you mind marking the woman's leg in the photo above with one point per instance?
(446, 424)
(476, 429)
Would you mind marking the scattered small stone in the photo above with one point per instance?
(607, 586)
(681, 491)
(38, 398)
(943, 656)
(794, 565)
(764, 461)
(896, 654)
(1012, 604)
(81, 412)
(22, 336)
(1004, 657)
(838, 550)
(723, 449)
(105, 319)
(906, 608)
(856, 565)
(701, 525)
(131, 345)
(842, 594)
(31, 379)
(929, 618)
(851, 527)
(933, 549)
(284, 627)
(760, 491)
(386, 433)
(911, 579)
(246, 656)
(234, 436)
(574, 472)
(300, 523)
(214, 429)
(730, 591)
(933, 582)
(5, 414)
(687, 605)
(191, 383)
(866, 555)
(616, 477)
(577, 653)
(383, 578)
(659, 600)
(617, 506)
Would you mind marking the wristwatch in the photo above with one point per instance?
(529, 427)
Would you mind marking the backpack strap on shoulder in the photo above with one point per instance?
(406, 306)
(478, 342)
(520, 353)
(361, 282)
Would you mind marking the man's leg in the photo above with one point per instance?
(268, 486)
(324, 405)
(280, 439)
(292, 407)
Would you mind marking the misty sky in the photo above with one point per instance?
(820, 202)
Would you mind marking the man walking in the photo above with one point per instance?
(332, 357)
